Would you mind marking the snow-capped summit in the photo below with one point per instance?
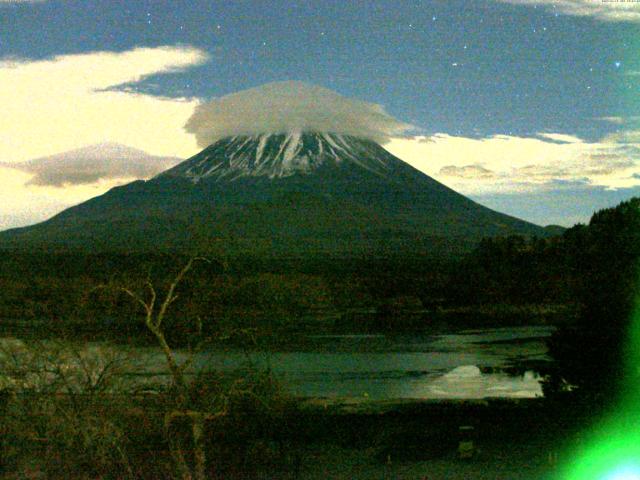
(281, 155)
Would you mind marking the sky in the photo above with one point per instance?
(528, 106)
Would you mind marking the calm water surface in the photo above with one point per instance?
(379, 367)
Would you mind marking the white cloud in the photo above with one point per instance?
(506, 164)
(626, 137)
(59, 104)
(21, 205)
(620, 120)
(95, 163)
(63, 103)
(472, 172)
(31, 192)
(560, 137)
(614, 120)
(609, 11)
(290, 106)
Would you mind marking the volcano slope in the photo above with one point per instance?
(289, 195)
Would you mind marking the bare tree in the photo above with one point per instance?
(155, 312)
(56, 391)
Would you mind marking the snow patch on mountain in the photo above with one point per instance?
(281, 155)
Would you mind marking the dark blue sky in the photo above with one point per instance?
(471, 68)
(519, 70)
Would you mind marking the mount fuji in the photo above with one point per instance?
(279, 195)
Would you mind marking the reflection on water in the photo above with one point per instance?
(468, 382)
(456, 384)
(378, 367)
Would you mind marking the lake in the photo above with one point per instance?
(467, 364)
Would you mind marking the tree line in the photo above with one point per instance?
(592, 269)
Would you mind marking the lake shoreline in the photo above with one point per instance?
(274, 333)
(468, 364)
(515, 439)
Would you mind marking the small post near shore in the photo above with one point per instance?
(466, 447)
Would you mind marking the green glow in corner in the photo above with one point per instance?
(613, 456)
(612, 447)
(625, 473)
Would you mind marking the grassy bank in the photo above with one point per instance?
(511, 439)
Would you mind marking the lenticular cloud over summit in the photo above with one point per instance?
(290, 106)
